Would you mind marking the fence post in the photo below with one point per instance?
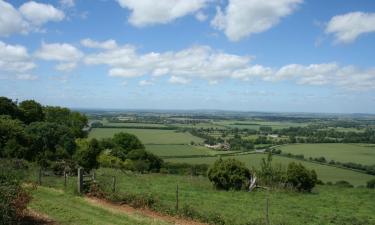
(177, 197)
(113, 184)
(40, 176)
(65, 178)
(93, 176)
(267, 216)
(80, 180)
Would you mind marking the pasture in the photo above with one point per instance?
(355, 153)
(256, 124)
(325, 173)
(182, 150)
(148, 136)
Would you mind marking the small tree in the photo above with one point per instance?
(371, 184)
(301, 178)
(87, 153)
(229, 174)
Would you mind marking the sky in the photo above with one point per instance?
(245, 55)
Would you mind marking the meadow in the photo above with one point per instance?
(325, 173)
(256, 124)
(148, 136)
(182, 150)
(356, 153)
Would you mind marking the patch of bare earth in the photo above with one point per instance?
(35, 218)
(144, 212)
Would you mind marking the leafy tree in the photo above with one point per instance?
(31, 111)
(87, 153)
(229, 174)
(127, 142)
(49, 141)
(13, 139)
(153, 162)
(8, 107)
(371, 184)
(301, 178)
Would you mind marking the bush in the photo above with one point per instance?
(229, 174)
(371, 184)
(344, 184)
(301, 178)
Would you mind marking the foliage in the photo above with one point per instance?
(371, 184)
(87, 153)
(127, 142)
(13, 140)
(229, 174)
(269, 174)
(300, 178)
(31, 111)
(8, 107)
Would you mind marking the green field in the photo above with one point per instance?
(356, 153)
(148, 136)
(255, 124)
(327, 205)
(182, 150)
(325, 173)
(67, 209)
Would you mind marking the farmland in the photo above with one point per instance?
(356, 153)
(325, 173)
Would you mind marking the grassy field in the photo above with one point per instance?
(325, 173)
(182, 150)
(255, 124)
(67, 209)
(356, 153)
(148, 136)
(327, 205)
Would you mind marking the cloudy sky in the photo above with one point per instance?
(253, 55)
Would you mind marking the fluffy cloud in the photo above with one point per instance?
(59, 52)
(242, 18)
(11, 20)
(346, 28)
(15, 62)
(145, 83)
(67, 3)
(30, 16)
(149, 12)
(89, 43)
(39, 13)
(205, 63)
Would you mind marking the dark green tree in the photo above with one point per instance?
(8, 107)
(31, 111)
(127, 142)
(301, 178)
(87, 153)
(13, 139)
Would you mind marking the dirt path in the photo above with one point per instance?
(36, 218)
(144, 212)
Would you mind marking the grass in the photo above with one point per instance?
(65, 209)
(325, 173)
(181, 150)
(355, 153)
(148, 136)
(255, 124)
(327, 205)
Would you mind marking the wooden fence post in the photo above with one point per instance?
(65, 178)
(266, 211)
(80, 180)
(113, 184)
(177, 197)
(40, 176)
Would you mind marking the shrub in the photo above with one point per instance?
(371, 184)
(344, 184)
(301, 178)
(229, 174)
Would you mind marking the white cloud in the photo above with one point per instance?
(11, 20)
(67, 3)
(201, 16)
(149, 12)
(145, 83)
(242, 18)
(39, 13)
(178, 80)
(30, 17)
(59, 52)
(205, 63)
(26, 77)
(346, 28)
(89, 43)
(66, 67)
(15, 59)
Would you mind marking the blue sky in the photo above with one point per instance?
(248, 55)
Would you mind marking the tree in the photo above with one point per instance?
(127, 142)
(301, 178)
(49, 142)
(31, 111)
(8, 107)
(87, 153)
(13, 139)
(152, 161)
(371, 184)
(229, 174)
